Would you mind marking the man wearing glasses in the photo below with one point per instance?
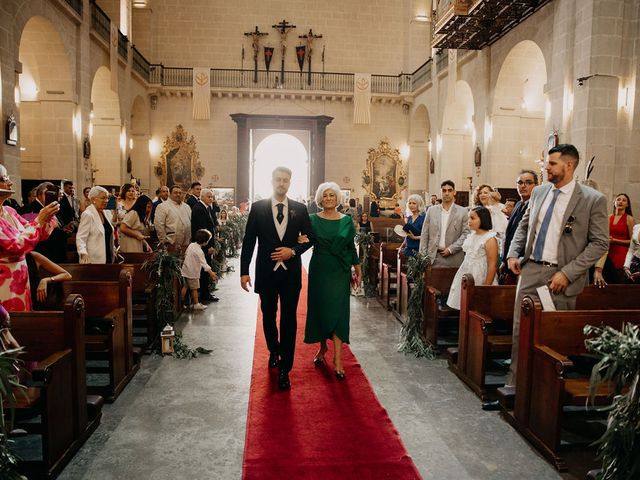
(527, 180)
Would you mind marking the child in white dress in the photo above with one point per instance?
(481, 255)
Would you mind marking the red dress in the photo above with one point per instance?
(17, 238)
(619, 231)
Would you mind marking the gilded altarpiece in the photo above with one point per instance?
(179, 161)
(384, 178)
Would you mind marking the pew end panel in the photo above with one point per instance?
(437, 283)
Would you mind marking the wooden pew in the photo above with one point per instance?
(400, 300)
(486, 323)
(61, 400)
(547, 379)
(387, 272)
(437, 283)
(484, 330)
(108, 325)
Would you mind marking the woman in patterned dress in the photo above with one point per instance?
(17, 238)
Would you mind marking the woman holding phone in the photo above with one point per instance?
(329, 290)
(17, 238)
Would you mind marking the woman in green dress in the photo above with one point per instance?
(330, 276)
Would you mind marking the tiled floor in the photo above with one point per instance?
(182, 419)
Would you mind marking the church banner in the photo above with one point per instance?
(201, 93)
(268, 55)
(113, 54)
(300, 51)
(362, 98)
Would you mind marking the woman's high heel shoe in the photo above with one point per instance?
(318, 361)
(340, 375)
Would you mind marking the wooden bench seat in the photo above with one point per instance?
(58, 391)
(387, 273)
(548, 380)
(437, 283)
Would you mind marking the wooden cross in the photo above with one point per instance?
(255, 43)
(309, 37)
(283, 29)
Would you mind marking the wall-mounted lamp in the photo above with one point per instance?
(422, 18)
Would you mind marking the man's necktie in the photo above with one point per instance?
(539, 246)
(280, 215)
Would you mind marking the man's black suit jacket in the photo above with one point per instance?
(33, 207)
(202, 218)
(67, 212)
(261, 227)
(512, 226)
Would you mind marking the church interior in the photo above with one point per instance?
(386, 98)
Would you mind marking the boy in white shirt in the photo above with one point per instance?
(194, 261)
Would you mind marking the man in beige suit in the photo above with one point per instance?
(444, 230)
(173, 221)
(563, 233)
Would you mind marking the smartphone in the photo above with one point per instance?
(50, 196)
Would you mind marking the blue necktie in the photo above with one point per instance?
(280, 215)
(539, 246)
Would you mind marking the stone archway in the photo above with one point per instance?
(47, 104)
(106, 131)
(139, 143)
(518, 115)
(419, 156)
(455, 144)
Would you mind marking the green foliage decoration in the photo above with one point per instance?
(9, 368)
(365, 242)
(164, 270)
(411, 338)
(619, 352)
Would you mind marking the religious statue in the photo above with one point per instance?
(283, 29)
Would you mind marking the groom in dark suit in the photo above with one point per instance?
(276, 223)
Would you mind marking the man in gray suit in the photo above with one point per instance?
(563, 233)
(444, 230)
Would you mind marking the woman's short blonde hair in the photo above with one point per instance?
(476, 194)
(323, 187)
(418, 199)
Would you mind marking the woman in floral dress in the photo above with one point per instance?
(17, 238)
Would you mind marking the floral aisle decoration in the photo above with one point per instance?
(411, 339)
(228, 242)
(619, 446)
(164, 270)
(10, 365)
(365, 242)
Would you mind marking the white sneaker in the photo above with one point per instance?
(199, 306)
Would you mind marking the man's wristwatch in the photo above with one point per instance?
(293, 252)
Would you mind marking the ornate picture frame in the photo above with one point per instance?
(224, 195)
(179, 161)
(384, 178)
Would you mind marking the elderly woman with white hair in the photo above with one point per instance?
(334, 254)
(94, 239)
(413, 225)
(17, 238)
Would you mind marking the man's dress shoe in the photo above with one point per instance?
(283, 381)
(274, 361)
(491, 406)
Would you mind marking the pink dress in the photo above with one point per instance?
(17, 238)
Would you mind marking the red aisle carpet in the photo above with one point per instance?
(321, 428)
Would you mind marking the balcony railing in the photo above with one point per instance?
(75, 5)
(123, 43)
(100, 22)
(141, 65)
(422, 75)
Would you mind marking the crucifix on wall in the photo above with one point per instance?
(309, 37)
(283, 29)
(255, 44)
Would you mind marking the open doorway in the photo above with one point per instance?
(272, 148)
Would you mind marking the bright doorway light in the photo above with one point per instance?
(281, 149)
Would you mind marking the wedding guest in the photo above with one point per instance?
(632, 261)
(5, 325)
(193, 195)
(374, 210)
(163, 195)
(364, 224)
(509, 205)
(85, 202)
(173, 221)
(484, 197)
(69, 214)
(329, 290)
(94, 239)
(194, 263)
(222, 220)
(135, 226)
(481, 255)
(444, 230)
(38, 284)
(621, 225)
(128, 196)
(17, 238)
(413, 225)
